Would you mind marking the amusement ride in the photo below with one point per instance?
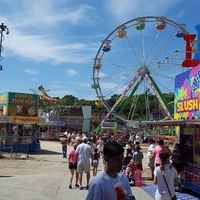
(3, 28)
(140, 55)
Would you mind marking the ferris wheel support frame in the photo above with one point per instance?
(131, 95)
(160, 97)
(120, 98)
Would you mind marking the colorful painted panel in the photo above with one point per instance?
(4, 104)
(187, 94)
(18, 104)
(3, 99)
(22, 99)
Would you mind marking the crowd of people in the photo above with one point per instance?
(122, 156)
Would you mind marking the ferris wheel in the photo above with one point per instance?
(140, 56)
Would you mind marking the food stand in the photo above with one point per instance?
(50, 130)
(19, 121)
(187, 125)
(188, 135)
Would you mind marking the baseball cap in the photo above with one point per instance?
(84, 138)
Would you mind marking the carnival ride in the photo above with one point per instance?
(44, 96)
(140, 56)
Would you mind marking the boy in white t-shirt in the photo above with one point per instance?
(110, 184)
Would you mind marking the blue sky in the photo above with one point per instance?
(53, 42)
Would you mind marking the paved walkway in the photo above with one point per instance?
(49, 179)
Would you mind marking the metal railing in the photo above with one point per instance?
(20, 150)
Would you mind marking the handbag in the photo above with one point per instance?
(174, 197)
(130, 197)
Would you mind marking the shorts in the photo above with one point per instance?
(95, 162)
(151, 162)
(138, 166)
(83, 167)
(73, 165)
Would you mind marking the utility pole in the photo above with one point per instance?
(3, 28)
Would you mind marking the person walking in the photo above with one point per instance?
(177, 158)
(64, 146)
(73, 166)
(110, 183)
(151, 160)
(95, 162)
(138, 156)
(157, 150)
(165, 177)
(100, 145)
(138, 139)
(84, 153)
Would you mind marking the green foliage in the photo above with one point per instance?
(140, 111)
(69, 100)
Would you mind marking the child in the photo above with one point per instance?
(95, 161)
(130, 169)
(138, 156)
(100, 145)
(103, 186)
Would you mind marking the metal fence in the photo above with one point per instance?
(15, 150)
(6, 151)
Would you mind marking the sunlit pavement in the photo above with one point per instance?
(53, 183)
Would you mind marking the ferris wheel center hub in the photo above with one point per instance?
(142, 70)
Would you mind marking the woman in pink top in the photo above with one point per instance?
(73, 166)
(157, 150)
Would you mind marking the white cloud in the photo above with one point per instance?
(69, 84)
(30, 71)
(42, 48)
(41, 31)
(130, 9)
(107, 86)
(59, 93)
(71, 72)
(101, 74)
(37, 13)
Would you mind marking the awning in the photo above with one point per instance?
(183, 122)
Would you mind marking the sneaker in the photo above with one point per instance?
(81, 188)
(87, 187)
(70, 187)
(76, 185)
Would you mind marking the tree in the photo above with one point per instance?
(69, 100)
(139, 114)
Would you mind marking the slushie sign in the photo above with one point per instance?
(187, 94)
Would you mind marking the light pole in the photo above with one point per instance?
(3, 28)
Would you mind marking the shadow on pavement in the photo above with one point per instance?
(45, 152)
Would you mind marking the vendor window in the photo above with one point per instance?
(28, 130)
(186, 141)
